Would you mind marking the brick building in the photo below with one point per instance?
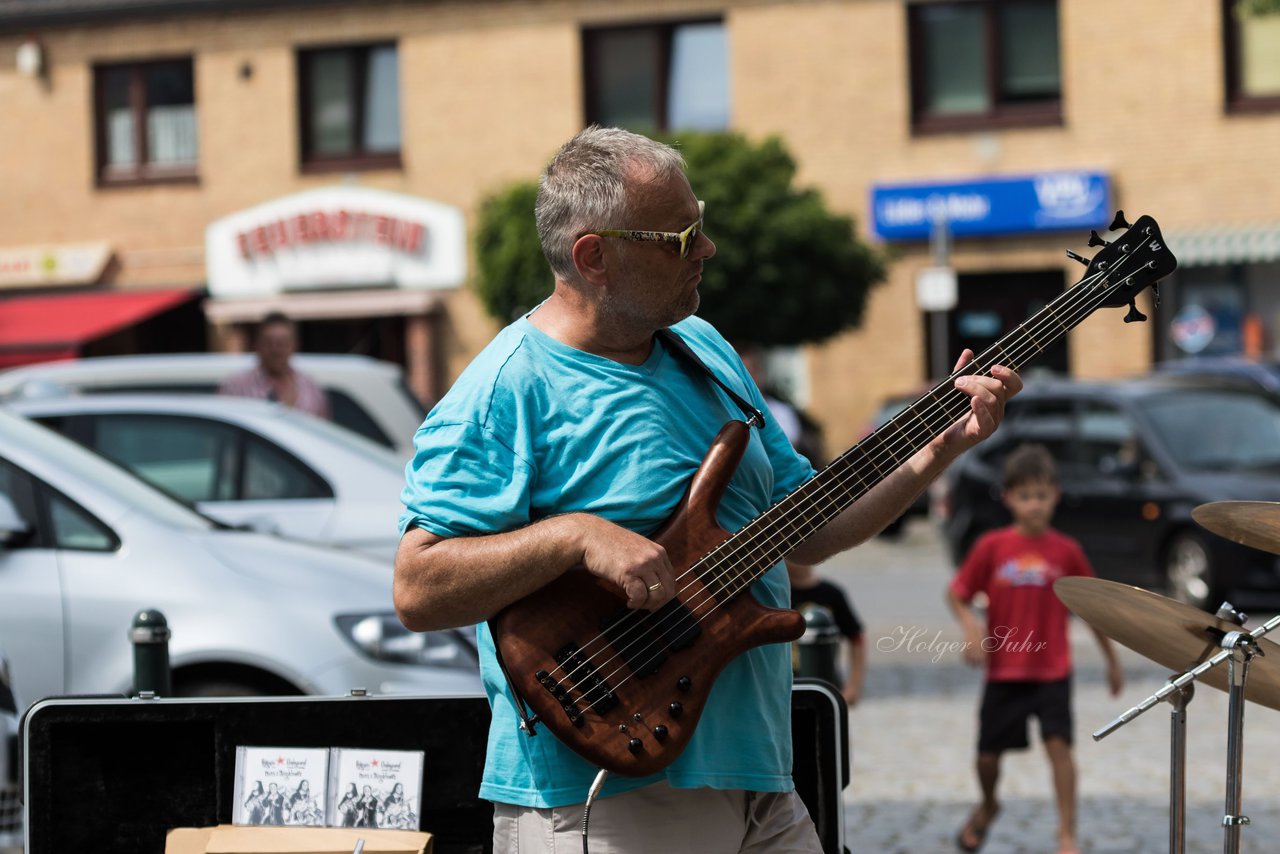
(224, 158)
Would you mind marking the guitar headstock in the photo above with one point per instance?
(1129, 263)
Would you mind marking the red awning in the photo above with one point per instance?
(44, 328)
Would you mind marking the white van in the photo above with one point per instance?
(366, 395)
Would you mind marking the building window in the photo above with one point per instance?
(1251, 29)
(658, 77)
(146, 122)
(985, 63)
(350, 108)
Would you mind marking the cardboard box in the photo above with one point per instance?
(230, 839)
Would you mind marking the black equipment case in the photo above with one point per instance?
(113, 775)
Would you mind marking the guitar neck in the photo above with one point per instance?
(747, 555)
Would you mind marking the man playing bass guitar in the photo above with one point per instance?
(572, 437)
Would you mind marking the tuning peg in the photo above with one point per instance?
(1095, 240)
(1119, 222)
(1134, 314)
(1074, 257)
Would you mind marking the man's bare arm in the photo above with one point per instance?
(441, 583)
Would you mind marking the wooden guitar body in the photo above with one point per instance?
(631, 699)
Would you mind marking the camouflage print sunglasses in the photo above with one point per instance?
(685, 238)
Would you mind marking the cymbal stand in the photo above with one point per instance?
(1178, 768)
(1240, 647)
(1237, 648)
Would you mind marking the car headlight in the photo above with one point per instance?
(383, 638)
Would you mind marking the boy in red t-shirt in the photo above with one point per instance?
(1025, 645)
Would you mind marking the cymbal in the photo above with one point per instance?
(1168, 632)
(1255, 524)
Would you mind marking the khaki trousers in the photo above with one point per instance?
(659, 818)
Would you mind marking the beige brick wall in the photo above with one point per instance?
(491, 88)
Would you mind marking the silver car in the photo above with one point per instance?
(84, 546)
(366, 395)
(244, 462)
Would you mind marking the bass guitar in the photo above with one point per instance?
(625, 688)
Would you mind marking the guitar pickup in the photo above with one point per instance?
(631, 636)
(592, 690)
(678, 625)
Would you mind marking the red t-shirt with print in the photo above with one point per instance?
(1026, 623)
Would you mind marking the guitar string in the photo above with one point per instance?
(932, 427)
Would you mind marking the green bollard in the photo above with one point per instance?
(150, 637)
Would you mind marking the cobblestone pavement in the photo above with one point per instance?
(912, 737)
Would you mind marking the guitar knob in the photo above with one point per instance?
(660, 732)
(1119, 222)
(1096, 240)
(684, 683)
(676, 710)
(635, 745)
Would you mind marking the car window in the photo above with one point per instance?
(271, 475)
(15, 485)
(346, 412)
(199, 459)
(70, 526)
(74, 528)
(1217, 429)
(174, 387)
(1106, 438)
(190, 458)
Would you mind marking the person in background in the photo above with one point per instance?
(1025, 647)
(807, 588)
(274, 377)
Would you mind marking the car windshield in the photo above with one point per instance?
(96, 471)
(1217, 429)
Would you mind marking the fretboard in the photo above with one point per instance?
(737, 562)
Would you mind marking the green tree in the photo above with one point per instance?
(786, 271)
(512, 276)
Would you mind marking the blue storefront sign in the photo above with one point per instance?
(1047, 201)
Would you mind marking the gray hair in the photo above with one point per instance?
(588, 185)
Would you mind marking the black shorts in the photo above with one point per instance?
(1006, 706)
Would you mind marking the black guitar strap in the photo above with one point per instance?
(677, 345)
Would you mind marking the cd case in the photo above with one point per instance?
(284, 786)
(375, 788)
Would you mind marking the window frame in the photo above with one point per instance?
(1236, 100)
(312, 163)
(144, 172)
(666, 30)
(999, 115)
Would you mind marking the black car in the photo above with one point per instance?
(1135, 457)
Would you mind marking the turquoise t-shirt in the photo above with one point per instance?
(534, 428)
